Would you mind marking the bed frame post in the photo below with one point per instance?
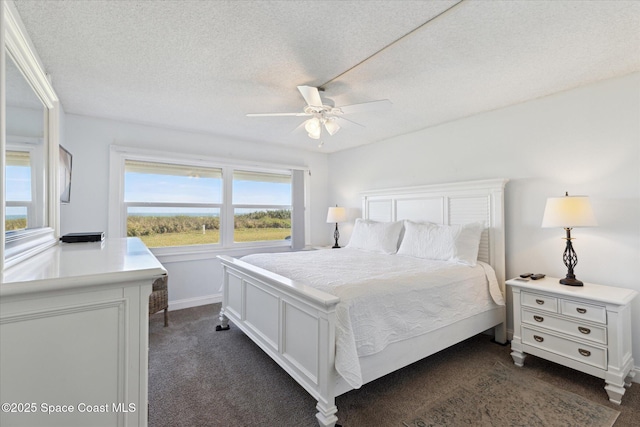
(500, 333)
(224, 321)
(327, 377)
(327, 414)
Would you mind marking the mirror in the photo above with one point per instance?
(31, 144)
(25, 166)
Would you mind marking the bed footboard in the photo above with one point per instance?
(291, 322)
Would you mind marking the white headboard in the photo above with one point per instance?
(451, 203)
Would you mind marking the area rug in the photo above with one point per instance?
(506, 397)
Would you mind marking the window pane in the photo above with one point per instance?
(15, 218)
(159, 182)
(255, 225)
(258, 188)
(161, 226)
(18, 176)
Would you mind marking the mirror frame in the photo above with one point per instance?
(20, 245)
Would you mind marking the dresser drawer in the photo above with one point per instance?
(541, 302)
(585, 353)
(579, 310)
(582, 330)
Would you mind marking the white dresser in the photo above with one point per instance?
(74, 335)
(586, 328)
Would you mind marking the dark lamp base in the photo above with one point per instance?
(571, 282)
(570, 259)
(336, 246)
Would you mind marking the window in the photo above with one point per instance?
(172, 205)
(261, 206)
(171, 202)
(18, 190)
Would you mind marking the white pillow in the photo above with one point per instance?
(375, 236)
(428, 241)
(459, 243)
(468, 243)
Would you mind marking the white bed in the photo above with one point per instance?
(304, 318)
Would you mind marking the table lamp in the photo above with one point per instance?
(336, 215)
(569, 212)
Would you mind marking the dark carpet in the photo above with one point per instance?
(503, 397)
(199, 377)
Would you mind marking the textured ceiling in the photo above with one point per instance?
(202, 65)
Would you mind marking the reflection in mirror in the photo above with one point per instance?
(25, 167)
(33, 117)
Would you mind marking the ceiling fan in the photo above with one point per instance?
(324, 114)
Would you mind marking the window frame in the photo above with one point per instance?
(231, 207)
(118, 207)
(34, 147)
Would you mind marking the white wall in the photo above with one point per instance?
(191, 282)
(25, 122)
(585, 141)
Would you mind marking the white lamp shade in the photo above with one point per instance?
(312, 125)
(313, 128)
(331, 126)
(568, 212)
(337, 214)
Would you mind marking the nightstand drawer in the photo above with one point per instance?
(579, 310)
(585, 353)
(582, 330)
(541, 302)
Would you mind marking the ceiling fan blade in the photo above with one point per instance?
(277, 114)
(380, 105)
(346, 123)
(311, 95)
(299, 127)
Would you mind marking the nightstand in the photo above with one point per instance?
(586, 328)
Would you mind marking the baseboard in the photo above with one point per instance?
(194, 302)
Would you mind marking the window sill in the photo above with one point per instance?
(22, 244)
(196, 253)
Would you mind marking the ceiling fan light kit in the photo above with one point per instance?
(312, 126)
(331, 126)
(324, 114)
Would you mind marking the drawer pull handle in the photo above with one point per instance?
(539, 338)
(584, 352)
(538, 318)
(581, 310)
(585, 331)
(539, 301)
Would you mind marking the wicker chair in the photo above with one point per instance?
(159, 298)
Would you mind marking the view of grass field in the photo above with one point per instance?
(181, 230)
(213, 236)
(15, 224)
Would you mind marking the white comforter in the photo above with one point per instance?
(386, 298)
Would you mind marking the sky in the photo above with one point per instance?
(18, 183)
(18, 189)
(141, 187)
